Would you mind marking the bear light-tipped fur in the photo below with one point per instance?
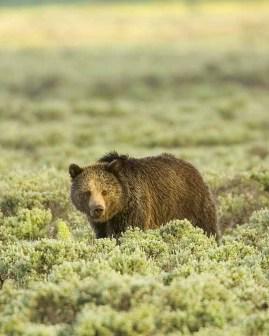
(118, 192)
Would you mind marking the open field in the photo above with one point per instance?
(141, 79)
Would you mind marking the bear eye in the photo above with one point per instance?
(104, 192)
(87, 193)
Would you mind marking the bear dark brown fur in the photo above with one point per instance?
(118, 192)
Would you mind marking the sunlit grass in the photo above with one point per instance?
(54, 26)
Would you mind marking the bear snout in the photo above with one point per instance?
(96, 211)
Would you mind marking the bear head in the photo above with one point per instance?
(96, 191)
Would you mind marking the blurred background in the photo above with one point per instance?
(80, 78)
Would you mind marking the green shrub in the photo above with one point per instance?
(46, 189)
(63, 231)
(30, 224)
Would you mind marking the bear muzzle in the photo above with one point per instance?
(96, 211)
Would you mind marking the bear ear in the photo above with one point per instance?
(74, 170)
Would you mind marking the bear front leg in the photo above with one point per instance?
(100, 230)
(138, 218)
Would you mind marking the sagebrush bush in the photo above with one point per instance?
(129, 288)
(45, 189)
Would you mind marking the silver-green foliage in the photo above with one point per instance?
(171, 280)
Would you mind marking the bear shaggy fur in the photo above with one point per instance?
(119, 192)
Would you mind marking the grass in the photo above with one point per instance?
(132, 24)
(141, 79)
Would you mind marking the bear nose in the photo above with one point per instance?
(97, 211)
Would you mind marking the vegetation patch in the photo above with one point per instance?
(191, 81)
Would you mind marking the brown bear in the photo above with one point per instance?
(118, 192)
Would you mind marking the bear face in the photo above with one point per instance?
(96, 192)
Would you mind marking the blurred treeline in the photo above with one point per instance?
(43, 2)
